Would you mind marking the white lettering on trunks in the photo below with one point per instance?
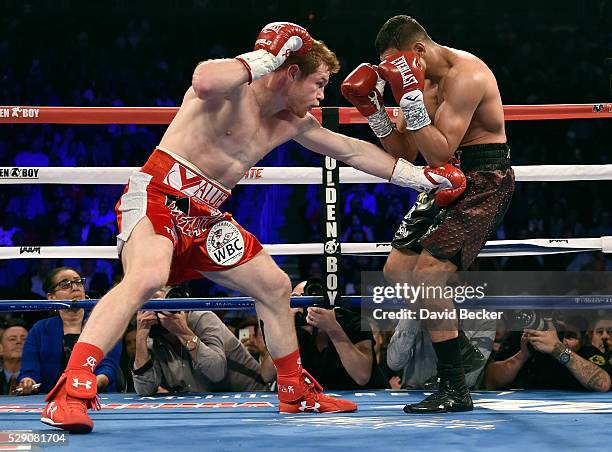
(195, 186)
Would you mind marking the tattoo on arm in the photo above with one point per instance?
(588, 374)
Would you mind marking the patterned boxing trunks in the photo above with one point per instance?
(459, 231)
(182, 205)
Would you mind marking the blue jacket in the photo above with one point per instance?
(42, 356)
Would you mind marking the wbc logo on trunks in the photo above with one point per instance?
(225, 244)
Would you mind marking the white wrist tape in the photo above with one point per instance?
(259, 63)
(380, 123)
(405, 174)
(414, 110)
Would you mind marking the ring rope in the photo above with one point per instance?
(493, 248)
(356, 301)
(280, 175)
(13, 114)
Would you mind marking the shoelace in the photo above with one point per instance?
(76, 403)
(433, 397)
(312, 384)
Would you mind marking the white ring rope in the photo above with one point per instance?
(493, 248)
(279, 175)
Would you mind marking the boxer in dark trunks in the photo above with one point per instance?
(451, 111)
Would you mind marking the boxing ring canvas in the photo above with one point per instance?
(507, 420)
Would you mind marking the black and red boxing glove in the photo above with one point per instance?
(364, 89)
(275, 42)
(447, 181)
(406, 76)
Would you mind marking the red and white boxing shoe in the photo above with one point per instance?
(68, 401)
(303, 394)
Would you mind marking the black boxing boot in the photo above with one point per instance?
(452, 394)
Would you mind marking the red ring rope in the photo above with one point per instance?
(347, 115)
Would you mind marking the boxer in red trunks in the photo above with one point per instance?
(452, 109)
(235, 112)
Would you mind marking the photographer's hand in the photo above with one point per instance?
(323, 319)
(544, 341)
(176, 323)
(144, 321)
(525, 349)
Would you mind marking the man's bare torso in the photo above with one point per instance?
(224, 137)
(487, 124)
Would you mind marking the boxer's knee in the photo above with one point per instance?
(146, 279)
(276, 287)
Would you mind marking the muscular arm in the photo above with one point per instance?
(356, 358)
(399, 143)
(356, 153)
(501, 374)
(590, 375)
(215, 78)
(439, 140)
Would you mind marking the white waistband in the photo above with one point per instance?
(192, 167)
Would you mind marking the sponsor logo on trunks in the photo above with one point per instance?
(188, 225)
(29, 250)
(19, 112)
(408, 77)
(224, 243)
(19, 173)
(195, 186)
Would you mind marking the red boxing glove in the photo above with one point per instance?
(450, 180)
(359, 85)
(364, 89)
(446, 181)
(406, 76)
(274, 44)
(283, 38)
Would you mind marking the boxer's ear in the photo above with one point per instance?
(294, 71)
(419, 48)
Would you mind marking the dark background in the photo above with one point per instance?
(140, 53)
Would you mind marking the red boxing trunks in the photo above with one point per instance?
(182, 205)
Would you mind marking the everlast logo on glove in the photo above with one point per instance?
(408, 78)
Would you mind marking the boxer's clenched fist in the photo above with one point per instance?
(274, 44)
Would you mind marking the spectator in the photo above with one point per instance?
(11, 348)
(411, 350)
(50, 341)
(250, 335)
(601, 338)
(191, 352)
(537, 359)
(126, 364)
(335, 347)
